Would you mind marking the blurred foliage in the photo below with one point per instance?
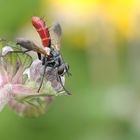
(14, 13)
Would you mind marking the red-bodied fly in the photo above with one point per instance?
(51, 52)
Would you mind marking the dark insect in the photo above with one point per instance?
(50, 53)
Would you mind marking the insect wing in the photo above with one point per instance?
(56, 35)
(14, 58)
(30, 45)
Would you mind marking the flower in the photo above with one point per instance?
(20, 78)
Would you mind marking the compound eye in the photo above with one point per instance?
(61, 70)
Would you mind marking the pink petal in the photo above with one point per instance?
(22, 90)
(18, 77)
(35, 70)
(5, 95)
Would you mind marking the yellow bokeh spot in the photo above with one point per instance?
(81, 15)
(119, 12)
(73, 9)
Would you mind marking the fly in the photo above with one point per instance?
(50, 56)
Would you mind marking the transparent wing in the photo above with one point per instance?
(30, 45)
(56, 35)
(12, 56)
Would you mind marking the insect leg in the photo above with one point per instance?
(60, 81)
(39, 56)
(46, 64)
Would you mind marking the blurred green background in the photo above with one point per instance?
(101, 42)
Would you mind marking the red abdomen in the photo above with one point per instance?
(42, 30)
